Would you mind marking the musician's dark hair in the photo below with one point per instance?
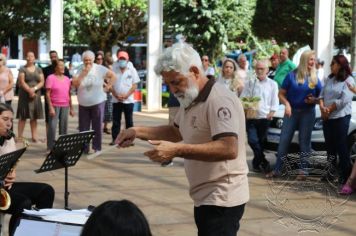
(115, 218)
(10, 134)
(5, 107)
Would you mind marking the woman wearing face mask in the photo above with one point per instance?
(229, 76)
(89, 81)
(122, 92)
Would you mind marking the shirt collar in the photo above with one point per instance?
(203, 94)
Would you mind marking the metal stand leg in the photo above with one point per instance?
(66, 192)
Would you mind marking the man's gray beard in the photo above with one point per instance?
(188, 97)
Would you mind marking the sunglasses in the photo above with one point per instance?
(0, 59)
(204, 59)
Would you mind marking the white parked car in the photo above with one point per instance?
(14, 65)
(318, 142)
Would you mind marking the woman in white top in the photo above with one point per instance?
(90, 83)
(6, 82)
(229, 76)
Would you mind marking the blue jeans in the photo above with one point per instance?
(335, 133)
(256, 136)
(303, 121)
(118, 108)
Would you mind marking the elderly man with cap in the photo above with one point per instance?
(122, 91)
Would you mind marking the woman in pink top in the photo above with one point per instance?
(59, 102)
(6, 82)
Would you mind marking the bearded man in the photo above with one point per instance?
(211, 124)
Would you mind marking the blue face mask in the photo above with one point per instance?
(122, 63)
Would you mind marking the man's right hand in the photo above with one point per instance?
(126, 137)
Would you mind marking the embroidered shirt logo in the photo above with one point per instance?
(193, 122)
(224, 113)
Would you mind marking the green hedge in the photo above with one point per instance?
(165, 96)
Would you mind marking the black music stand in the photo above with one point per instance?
(65, 153)
(7, 162)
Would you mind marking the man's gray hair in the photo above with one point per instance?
(264, 62)
(89, 54)
(180, 57)
(241, 56)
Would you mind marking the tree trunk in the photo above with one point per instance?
(353, 37)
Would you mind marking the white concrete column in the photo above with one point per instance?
(56, 27)
(43, 49)
(20, 45)
(324, 31)
(154, 48)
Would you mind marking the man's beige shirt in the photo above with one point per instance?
(216, 113)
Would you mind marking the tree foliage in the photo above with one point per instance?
(343, 23)
(103, 23)
(293, 21)
(209, 25)
(29, 18)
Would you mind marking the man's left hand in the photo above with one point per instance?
(163, 151)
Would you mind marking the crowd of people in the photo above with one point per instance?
(207, 115)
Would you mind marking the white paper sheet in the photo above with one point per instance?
(37, 228)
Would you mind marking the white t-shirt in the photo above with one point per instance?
(209, 71)
(124, 83)
(91, 89)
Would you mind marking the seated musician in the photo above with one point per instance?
(23, 195)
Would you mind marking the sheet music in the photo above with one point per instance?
(61, 215)
(36, 228)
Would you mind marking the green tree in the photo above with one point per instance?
(293, 21)
(343, 23)
(209, 25)
(353, 37)
(103, 23)
(29, 18)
